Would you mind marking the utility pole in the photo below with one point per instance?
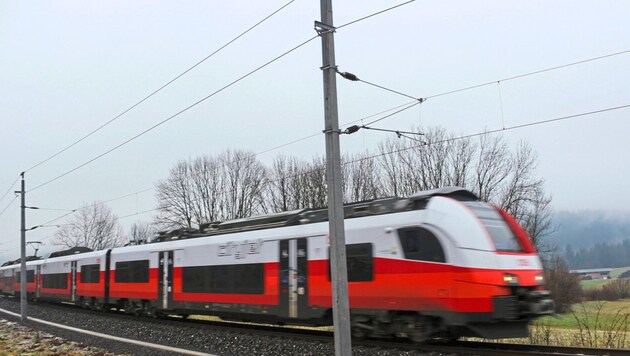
(339, 273)
(23, 292)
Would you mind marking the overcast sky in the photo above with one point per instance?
(67, 67)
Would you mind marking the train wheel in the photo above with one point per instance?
(359, 332)
(421, 330)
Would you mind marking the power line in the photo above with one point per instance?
(374, 14)
(256, 154)
(198, 102)
(501, 130)
(8, 205)
(11, 187)
(541, 122)
(162, 87)
(530, 73)
(176, 114)
(422, 143)
(353, 77)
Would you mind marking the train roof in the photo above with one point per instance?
(457, 193)
(380, 206)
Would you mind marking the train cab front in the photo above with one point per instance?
(518, 277)
(498, 280)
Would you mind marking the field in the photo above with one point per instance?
(598, 283)
(589, 324)
(594, 283)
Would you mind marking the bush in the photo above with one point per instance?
(614, 290)
(564, 285)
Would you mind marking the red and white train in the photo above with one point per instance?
(437, 264)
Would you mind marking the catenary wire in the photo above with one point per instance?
(422, 100)
(374, 14)
(176, 114)
(422, 143)
(162, 87)
(8, 205)
(254, 155)
(530, 73)
(415, 102)
(541, 122)
(436, 95)
(10, 187)
(216, 92)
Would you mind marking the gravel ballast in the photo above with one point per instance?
(217, 341)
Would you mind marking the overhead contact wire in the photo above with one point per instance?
(11, 187)
(529, 74)
(162, 87)
(176, 114)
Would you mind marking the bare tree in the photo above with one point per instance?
(210, 189)
(175, 196)
(460, 160)
(492, 167)
(360, 178)
(244, 179)
(93, 226)
(488, 168)
(140, 232)
(285, 190)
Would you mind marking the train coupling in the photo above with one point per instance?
(540, 302)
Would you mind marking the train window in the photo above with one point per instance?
(55, 281)
(359, 261)
(132, 272)
(30, 277)
(421, 244)
(501, 234)
(225, 279)
(90, 273)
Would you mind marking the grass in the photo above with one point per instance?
(617, 271)
(607, 314)
(594, 283)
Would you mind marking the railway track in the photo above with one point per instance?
(302, 336)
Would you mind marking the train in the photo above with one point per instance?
(439, 264)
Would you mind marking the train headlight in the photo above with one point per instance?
(540, 279)
(510, 279)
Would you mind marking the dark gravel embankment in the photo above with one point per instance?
(216, 340)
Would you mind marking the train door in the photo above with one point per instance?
(293, 275)
(165, 279)
(38, 273)
(73, 280)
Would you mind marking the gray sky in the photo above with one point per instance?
(67, 67)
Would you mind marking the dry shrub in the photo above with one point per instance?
(593, 331)
(614, 290)
(564, 285)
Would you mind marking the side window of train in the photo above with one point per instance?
(360, 263)
(421, 244)
(90, 273)
(30, 276)
(225, 279)
(55, 281)
(132, 272)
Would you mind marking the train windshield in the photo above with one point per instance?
(501, 234)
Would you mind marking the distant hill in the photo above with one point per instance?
(592, 239)
(586, 228)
